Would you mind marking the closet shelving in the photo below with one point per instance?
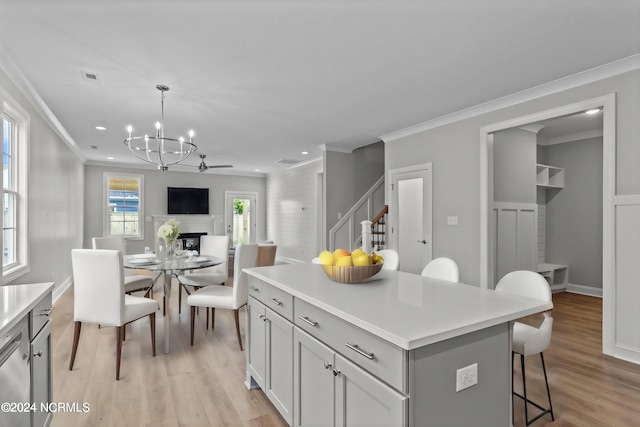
(549, 176)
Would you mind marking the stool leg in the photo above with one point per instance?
(513, 355)
(544, 370)
(524, 389)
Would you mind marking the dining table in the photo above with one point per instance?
(169, 267)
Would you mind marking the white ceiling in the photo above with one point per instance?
(263, 80)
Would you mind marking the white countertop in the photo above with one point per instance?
(405, 309)
(18, 300)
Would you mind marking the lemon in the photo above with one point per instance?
(344, 261)
(326, 258)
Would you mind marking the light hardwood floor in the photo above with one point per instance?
(203, 385)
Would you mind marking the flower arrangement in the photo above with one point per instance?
(169, 231)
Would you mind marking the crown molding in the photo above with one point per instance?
(22, 83)
(584, 77)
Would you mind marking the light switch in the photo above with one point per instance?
(452, 220)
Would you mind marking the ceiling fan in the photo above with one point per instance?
(203, 166)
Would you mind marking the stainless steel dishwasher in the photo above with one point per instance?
(15, 376)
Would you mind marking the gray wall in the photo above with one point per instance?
(574, 215)
(514, 166)
(454, 150)
(55, 205)
(348, 176)
(155, 194)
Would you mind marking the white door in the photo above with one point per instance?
(410, 215)
(241, 215)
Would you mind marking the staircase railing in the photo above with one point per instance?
(379, 229)
(347, 233)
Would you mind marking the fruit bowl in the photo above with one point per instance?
(351, 274)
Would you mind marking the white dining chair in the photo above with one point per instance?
(526, 339)
(226, 297)
(99, 297)
(391, 259)
(217, 246)
(442, 269)
(134, 280)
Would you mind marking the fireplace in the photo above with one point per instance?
(190, 241)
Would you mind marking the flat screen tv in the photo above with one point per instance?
(187, 201)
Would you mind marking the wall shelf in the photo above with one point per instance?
(549, 176)
(556, 275)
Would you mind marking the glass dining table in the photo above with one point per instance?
(168, 268)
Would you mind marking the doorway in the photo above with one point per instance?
(410, 216)
(241, 215)
(487, 261)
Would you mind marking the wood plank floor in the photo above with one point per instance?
(203, 385)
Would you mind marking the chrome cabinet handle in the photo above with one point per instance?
(355, 348)
(424, 242)
(327, 365)
(275, 301)
(46, 312)
(254, 289)
(336, 372)
(39, 354)
(263, 317)
(306, 320)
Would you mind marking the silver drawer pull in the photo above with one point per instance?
(336, 372)
(275, 301)
(45, 312)
(39, 354)
(355, 348)
(263, 317)
(327, 365)
(306, 320)
(254, 289)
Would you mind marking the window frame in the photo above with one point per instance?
(21, 124)
(106, 225)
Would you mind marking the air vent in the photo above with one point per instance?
(91, 78)
(288, 161)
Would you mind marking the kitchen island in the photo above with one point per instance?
(386, 352)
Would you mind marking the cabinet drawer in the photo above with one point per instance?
(39, 316)
(277, 300)
(383, 359)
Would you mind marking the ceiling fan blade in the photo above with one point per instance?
(220, 166)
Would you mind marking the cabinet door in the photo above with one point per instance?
(41, 382)
(363, 400)
(256, 351)
(313, 381)
(279, 373)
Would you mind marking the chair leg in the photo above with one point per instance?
(124, 332)
(236, 314)
(207, 322)
(119, 332)
(193, 321)
(152, 321)
(524, 389)
(74, 347)
(544, 370)
(180, 298)
(213, 317)
(164, 305)
(513, 355)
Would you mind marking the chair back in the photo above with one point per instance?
(266, 254)
(98, 281)
(217, 246)
(526, 283)
(391, 259)
(532, 285)
(246, 256)
(112, 242)
(442, 269)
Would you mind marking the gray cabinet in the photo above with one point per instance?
(330, 390)
(270, 355)
(41, 370)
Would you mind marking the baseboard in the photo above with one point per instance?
(60, 289)
(584, 290)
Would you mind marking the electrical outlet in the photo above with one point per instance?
(452, 220)
(466, 377)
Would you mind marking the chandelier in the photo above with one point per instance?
(159, 149)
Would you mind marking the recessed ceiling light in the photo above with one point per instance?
(257, 170)
(305, 152)
(593, 111)
(101, 128)
(110, 158)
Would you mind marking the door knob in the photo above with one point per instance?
(424, 242)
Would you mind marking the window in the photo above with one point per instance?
(124, 205)
(15, 125)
